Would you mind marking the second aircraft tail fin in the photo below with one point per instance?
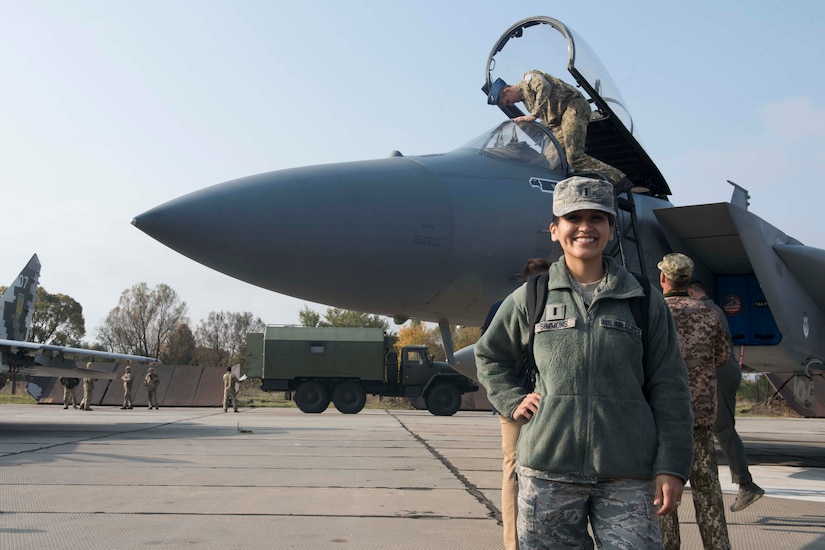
(17, 303)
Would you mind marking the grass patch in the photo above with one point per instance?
(250, 395)
(18, 398)
(771, 408)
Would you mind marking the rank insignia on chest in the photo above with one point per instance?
(554, 312)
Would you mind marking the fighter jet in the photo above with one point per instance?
(18, 356)
(442, 237)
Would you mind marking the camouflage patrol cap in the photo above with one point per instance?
(676, 267)
(581, 193)
(495, 90)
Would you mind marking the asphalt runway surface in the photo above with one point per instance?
(278, 478)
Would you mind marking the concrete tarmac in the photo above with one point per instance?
(278, 478)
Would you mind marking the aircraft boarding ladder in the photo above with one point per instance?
(627, 230)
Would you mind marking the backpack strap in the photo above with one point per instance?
(641, 313)
(536, 298)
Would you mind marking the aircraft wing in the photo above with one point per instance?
(65, 372)
(64, 350)
(49, 360)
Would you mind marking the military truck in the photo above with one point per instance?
(313, 364)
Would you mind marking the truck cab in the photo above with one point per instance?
(439, 384)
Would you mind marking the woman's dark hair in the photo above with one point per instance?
(611, 219)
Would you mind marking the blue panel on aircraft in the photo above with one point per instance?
(749, 317)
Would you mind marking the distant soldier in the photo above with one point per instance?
(69, 391)
(229, 393)
(127, 388)
(151, 381)
(88, 390)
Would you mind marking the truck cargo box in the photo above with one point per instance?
(296, 352)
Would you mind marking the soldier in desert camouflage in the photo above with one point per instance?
(127, 380)
(88, 391)
(151, 381)
(69, 391)
(704, 345)
(229, 395)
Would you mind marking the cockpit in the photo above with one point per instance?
(522, 142)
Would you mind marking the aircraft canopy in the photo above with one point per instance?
(545, 44)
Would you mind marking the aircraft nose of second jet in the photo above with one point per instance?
(330, 228)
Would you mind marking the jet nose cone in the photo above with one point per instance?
(464, 361)
(334, 234)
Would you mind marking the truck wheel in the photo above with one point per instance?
(312, 397)
(443, 399)
(349, 397)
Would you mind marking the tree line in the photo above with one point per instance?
(413, 332)
(153, 322)
(146, 321)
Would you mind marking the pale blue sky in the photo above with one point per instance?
(111, 107)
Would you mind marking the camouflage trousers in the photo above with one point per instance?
(69, 394)
(86, 402)
(572, 134)
(554, 514)
(230, 399)
(707, 497)
(127, 396)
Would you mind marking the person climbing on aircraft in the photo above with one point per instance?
(565, 111)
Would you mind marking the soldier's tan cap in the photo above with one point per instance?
(676, 267)
(581, 193)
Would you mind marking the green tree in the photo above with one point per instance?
(143, 320)
(179, 349)
(221, 338)
(337, 317)
(309, 318)
(57, 319)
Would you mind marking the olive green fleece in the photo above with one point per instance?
(603, 412)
